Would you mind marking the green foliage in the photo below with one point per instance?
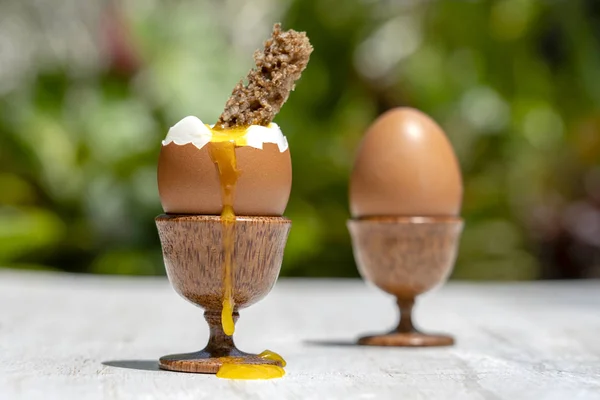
(515, 83)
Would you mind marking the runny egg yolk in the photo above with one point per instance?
(222, 152)
(271, 355)
(249, 371)
(234, 367)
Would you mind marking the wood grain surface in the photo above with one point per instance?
(193, 252)
(405, 257)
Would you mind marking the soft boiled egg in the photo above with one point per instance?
(189, 180)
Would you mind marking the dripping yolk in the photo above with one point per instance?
(227, 315)
(222, 152)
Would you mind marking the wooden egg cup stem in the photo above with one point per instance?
(405, 325)
(210, 359)
(405, 334)
(219, 344)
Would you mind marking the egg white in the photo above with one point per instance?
(192, 130)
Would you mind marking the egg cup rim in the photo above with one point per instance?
(272, 219)
(407, 219)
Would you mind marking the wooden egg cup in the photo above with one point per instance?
(405, 256)
(192, 248)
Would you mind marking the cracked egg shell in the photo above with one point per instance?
(188, 181)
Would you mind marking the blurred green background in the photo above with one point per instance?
(88, 89)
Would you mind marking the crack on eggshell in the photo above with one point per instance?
(192, 130)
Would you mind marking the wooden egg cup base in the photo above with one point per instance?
(406, 335)
(210, 359)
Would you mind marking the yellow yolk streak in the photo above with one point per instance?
(222, 153)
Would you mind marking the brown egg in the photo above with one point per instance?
(188, 182)
(405, 167)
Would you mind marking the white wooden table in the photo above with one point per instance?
(82, 337)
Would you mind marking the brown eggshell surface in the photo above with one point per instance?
(188, 182)
(405, 166)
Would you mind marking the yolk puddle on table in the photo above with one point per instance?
(222, 152)
(249, 371)
(234, 367)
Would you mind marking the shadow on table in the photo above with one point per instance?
(140, 365)
(331, 343)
